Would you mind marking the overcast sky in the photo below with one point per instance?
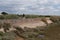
(49, 7)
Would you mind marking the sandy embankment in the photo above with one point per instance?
(31, 23)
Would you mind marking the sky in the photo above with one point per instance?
(40, 7)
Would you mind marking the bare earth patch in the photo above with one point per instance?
(30, 22)
(33, 23)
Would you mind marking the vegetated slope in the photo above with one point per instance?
(53, 32)
(49, 32)
(38, 32)
(28, 20)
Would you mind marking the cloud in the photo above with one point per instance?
(42, 1)
(51, 7)
(56, 1)
(56, 10)
(30, 6)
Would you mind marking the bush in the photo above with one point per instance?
(55, 19)
(4, 13)
(8, 36)
(11, 17)
(2, 17)
(6, 26)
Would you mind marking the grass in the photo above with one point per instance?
(10, 16)
(7, 36)
(53, 32)
(50, 32)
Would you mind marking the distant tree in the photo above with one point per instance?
(23, 15)
(4, 13)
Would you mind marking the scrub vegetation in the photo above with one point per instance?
(13, 32)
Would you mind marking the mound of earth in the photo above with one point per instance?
(30, 22)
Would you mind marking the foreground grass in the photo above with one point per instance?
(7, 36)
(53, 32)
(50, 32)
